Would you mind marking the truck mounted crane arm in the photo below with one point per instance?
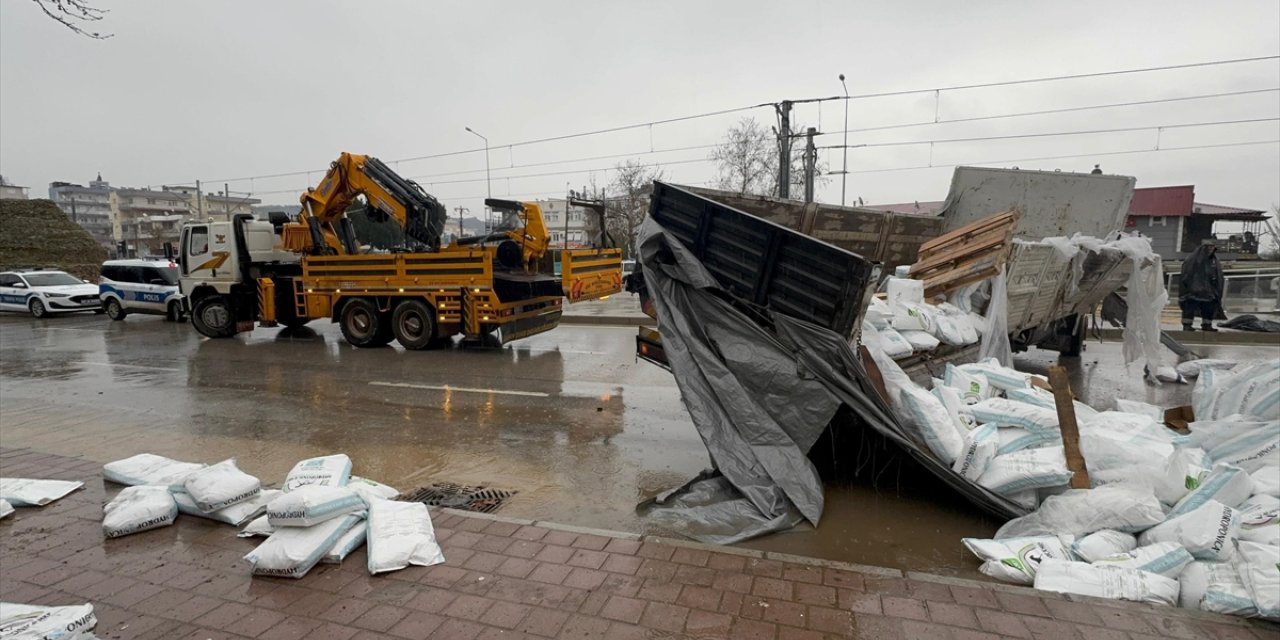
(420, 215)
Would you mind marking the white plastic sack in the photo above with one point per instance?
(1103, 581)
(1209, 531)
(947, 331)
(328, 471)
(1224, 590)
(138, 508)
(259, 527)
(6, 509)
(979, 449)
(1226, 484)
(973, 387)
(1141, 478)
(1165, 558)
(1208, 434)
(931, 422)
(220, 485)
(1079, 512)
(877, 313)
(908, 316)
(1016, 439)
(370, 490)
(920, 340)
(1107, 449)
(1194, 580)
(1266, 481)
(1192, 368)
(236, 514)
(904, 290)
(46, 623)
(400, 534)
(1251, 390)
(1101, 544)
(1015, 559)
(1259, 568)
(32, 492)
(1000, 376)
(955, 406)
(309, 505)
(1167, 373)
(1250, 451)
(1044, 399)
(1027, 469)
(291, 552)
(894, 345)
(1003, 412)
(148, 468)
(1140, 408)
(350, 541)
(1260, 520)
(961, 321)
(1182, 472)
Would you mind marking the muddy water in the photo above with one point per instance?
(567, 419)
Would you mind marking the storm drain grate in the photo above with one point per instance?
(457, 496)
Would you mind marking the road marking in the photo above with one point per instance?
(128, 366)
(446, 387)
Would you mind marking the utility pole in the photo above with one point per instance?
(199, 202)
(784, 149)
(226, 193)
(844, 170)
(810, 163)
(73, 211)
(488, 183)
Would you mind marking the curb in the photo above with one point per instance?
(1224, 337)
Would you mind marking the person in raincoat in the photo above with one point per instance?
(1200, 287)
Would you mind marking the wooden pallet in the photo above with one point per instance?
(969, 254)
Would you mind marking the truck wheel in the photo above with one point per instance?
(414, 324)
(114, 310)
(363, 325)
(212, 317)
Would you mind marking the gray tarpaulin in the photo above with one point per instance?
(759, 398)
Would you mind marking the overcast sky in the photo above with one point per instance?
(229, 89)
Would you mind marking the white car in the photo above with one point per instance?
(44, 292)
(141, 286)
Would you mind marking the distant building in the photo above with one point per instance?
(142, 220)
(1177, 224)
(570, 227)
(9, 191)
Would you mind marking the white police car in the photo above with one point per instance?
(41, 292)
(141, 286)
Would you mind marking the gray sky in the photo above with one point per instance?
(216, 90)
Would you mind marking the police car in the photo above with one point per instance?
(141, 286)
(42, 292)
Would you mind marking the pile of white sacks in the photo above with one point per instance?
(1191, 519)
(906, 324)
(321, 514)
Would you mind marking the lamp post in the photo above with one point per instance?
(488, 185)
(844, 171)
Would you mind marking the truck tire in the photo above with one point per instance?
(114, 309)
(1073, 344)
(414, 324)
(212, 317)
(363, 325)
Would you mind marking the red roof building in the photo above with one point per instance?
(1177, 224)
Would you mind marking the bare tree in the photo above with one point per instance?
(747, 161)
(74, 13)
(629, 201)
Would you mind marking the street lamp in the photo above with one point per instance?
(844, 171)
(488, 213)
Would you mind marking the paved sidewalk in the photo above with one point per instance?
(511, 580)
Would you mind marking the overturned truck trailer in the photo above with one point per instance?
(780, 264)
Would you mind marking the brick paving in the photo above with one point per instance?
(513, 580)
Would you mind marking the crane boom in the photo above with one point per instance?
(324, 207)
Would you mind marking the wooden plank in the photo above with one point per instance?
(973, 228)
(1070, 431)
(993, 240)
(873, 372)
(966, 274)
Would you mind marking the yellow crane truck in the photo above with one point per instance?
(243, 271)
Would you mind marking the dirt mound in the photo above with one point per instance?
(36, 233)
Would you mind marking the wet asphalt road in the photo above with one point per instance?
(569, 419)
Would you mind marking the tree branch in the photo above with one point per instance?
(69, 13)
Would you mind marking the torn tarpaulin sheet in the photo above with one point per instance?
(759, 400)
(757, 411)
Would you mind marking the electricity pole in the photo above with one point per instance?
(488, 185)
(784, 149)
(844, 170)
(810, 163)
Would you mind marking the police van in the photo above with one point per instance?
(141, 286)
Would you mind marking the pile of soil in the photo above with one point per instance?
(36, 233)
